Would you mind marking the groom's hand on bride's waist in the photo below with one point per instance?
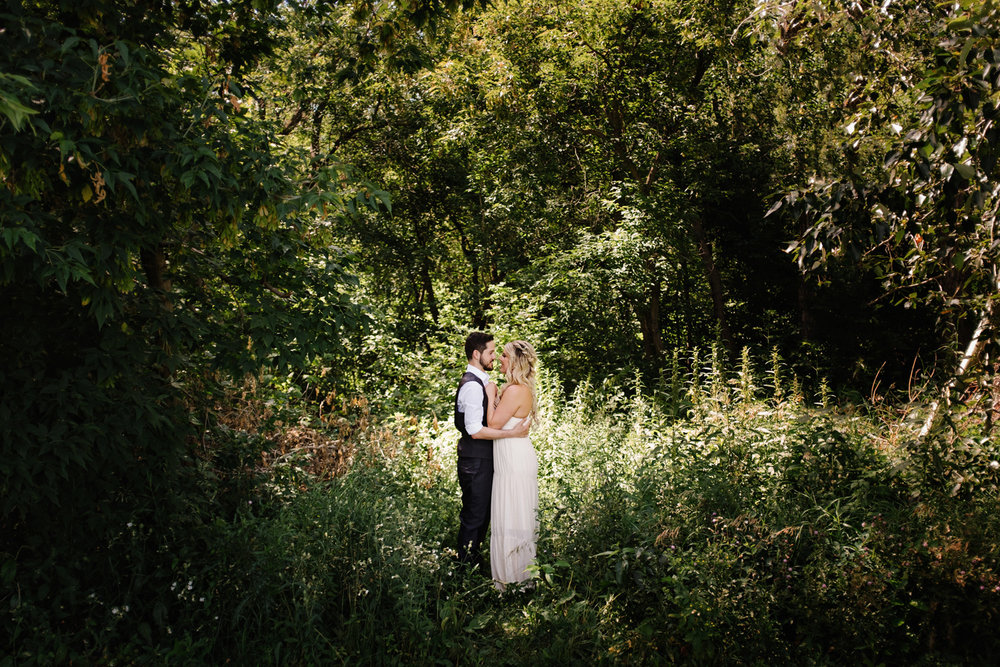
(521, 430)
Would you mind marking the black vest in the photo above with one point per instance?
(467, 445)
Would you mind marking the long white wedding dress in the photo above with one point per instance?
(514, 522)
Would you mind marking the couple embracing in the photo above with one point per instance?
(497, 468)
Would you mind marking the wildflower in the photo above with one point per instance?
(995, 464)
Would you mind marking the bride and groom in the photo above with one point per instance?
(497, 468)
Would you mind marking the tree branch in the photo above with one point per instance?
(296, 118)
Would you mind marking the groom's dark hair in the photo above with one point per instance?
(477, 340)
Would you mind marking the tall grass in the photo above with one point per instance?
(724, 517)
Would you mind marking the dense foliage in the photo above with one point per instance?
(151, 234)
(722, 518)
(240, 243)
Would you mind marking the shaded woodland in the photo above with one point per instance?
(242, 241)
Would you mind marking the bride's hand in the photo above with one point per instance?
(521, 430)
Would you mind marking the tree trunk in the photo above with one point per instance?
(154, 264)
(479, 312)
(317, 127)
(428, 290)
(688, 322)
(972, 351)
(296, 118)
(805, 311)
(714, 283)
(806, 320)
(649, 324)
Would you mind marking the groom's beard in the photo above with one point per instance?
(488, 368)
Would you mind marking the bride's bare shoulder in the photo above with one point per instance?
(520, 395)
(516, 390)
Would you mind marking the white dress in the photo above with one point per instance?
(514, 508)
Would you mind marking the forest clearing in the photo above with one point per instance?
(753, 243)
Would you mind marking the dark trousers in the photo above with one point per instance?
(475, 477)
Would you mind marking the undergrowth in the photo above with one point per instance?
(722, 518)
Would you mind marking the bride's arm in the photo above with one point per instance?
(491, 402)
(510, 400)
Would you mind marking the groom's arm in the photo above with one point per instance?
(471, 399)
(487, 433)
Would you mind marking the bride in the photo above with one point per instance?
(514, 502)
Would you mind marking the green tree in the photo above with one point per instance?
(923, 219)
(659, 129)
(833, 64)
(153, 233)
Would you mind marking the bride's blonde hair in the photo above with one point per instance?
(521, 363)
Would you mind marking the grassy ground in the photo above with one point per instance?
(714, 521)
(704, 524)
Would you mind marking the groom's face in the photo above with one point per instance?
(487, 356)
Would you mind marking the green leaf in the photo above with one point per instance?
(385, 198)
(960, 23)
(8, 571)
(964, 55)
(123, 51)
(126, 178)
(479, 622)
(69, 44)
(966, 171)
(15, 111)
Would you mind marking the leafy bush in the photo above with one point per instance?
(732, 527)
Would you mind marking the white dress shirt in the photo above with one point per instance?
(470, 400)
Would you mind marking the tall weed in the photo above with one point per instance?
(718, 519)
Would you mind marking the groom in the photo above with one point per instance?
(475, 448)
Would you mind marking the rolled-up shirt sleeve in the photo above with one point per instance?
(470, 403)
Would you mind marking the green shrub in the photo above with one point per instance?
(741, 529)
